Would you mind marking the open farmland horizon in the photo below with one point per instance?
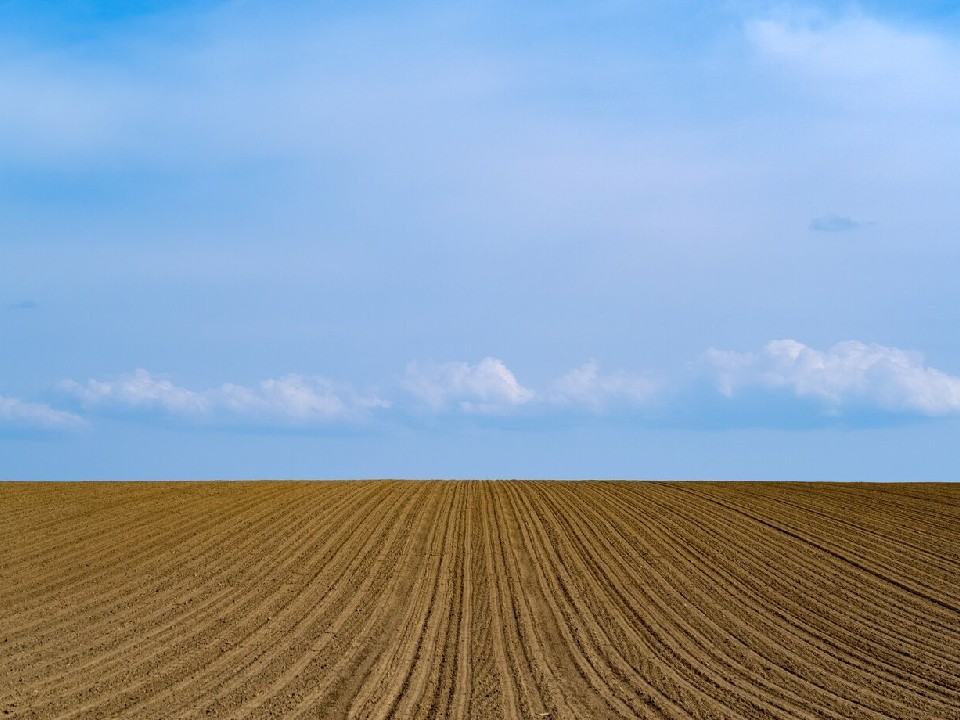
(479, 599)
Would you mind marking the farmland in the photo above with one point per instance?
(404, 599)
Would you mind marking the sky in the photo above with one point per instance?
(244, 239)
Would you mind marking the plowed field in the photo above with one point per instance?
(404, 600)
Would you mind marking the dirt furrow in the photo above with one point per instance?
(258, 665)
(790, 655)
(801, 585)
(868, 543)
(843, 613)
(491, 600)
(401, 678)
(684, 630)
(881, 607)
(941, 597)
(523, 632)
(375, 608)
(123, 550)
(184, 630)
(110, 601)
(598, 652)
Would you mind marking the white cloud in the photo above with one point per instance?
(295, 398)
(587, 387)
(289, 400)
(139, 390)
(38, 416)
(848, 374)
(490, 387)
(486, 387)
(861, 58)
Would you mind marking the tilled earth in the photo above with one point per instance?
(399, 599)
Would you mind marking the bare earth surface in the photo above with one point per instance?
(479, 600)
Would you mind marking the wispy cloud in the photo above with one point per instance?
(23, 305)
(588, 388)
(860, 59)
(849, 376)
(837, 223)
(138, 390)
(17, 414)
(291, 400)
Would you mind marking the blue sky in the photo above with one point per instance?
(611, 239)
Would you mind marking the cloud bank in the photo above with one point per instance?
(784, 384)
(294, 400)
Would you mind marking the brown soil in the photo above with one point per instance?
(479, 600)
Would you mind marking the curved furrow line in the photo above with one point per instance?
(854, 651)
(138, 546)
(883, 524)
(869, 505)
(727, 599)
(490, 600)
(342, 632)
(194, 624)
(164, 627)
(938, 511)
(450, 697)
(759, 577)
(915, 588)
(87, 603)
(897, 609)
(630, 653)
(752, 626)
(171, 619)
(35, 513)
(520, 675)
(86, 607)
(561, 666)
(947, 496)
(107, 600)
(868, 508)
(389, 675)
(65, 563)
(460, 647)
(881, 551)
(809, 592)
(93, 521)
(402, 674)
(49, 530)
(691, 646)
(582, 639)
(164, 632)
(618, 648)
(321, 628)
(495, 686)
(254, 632)
(618, 582)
